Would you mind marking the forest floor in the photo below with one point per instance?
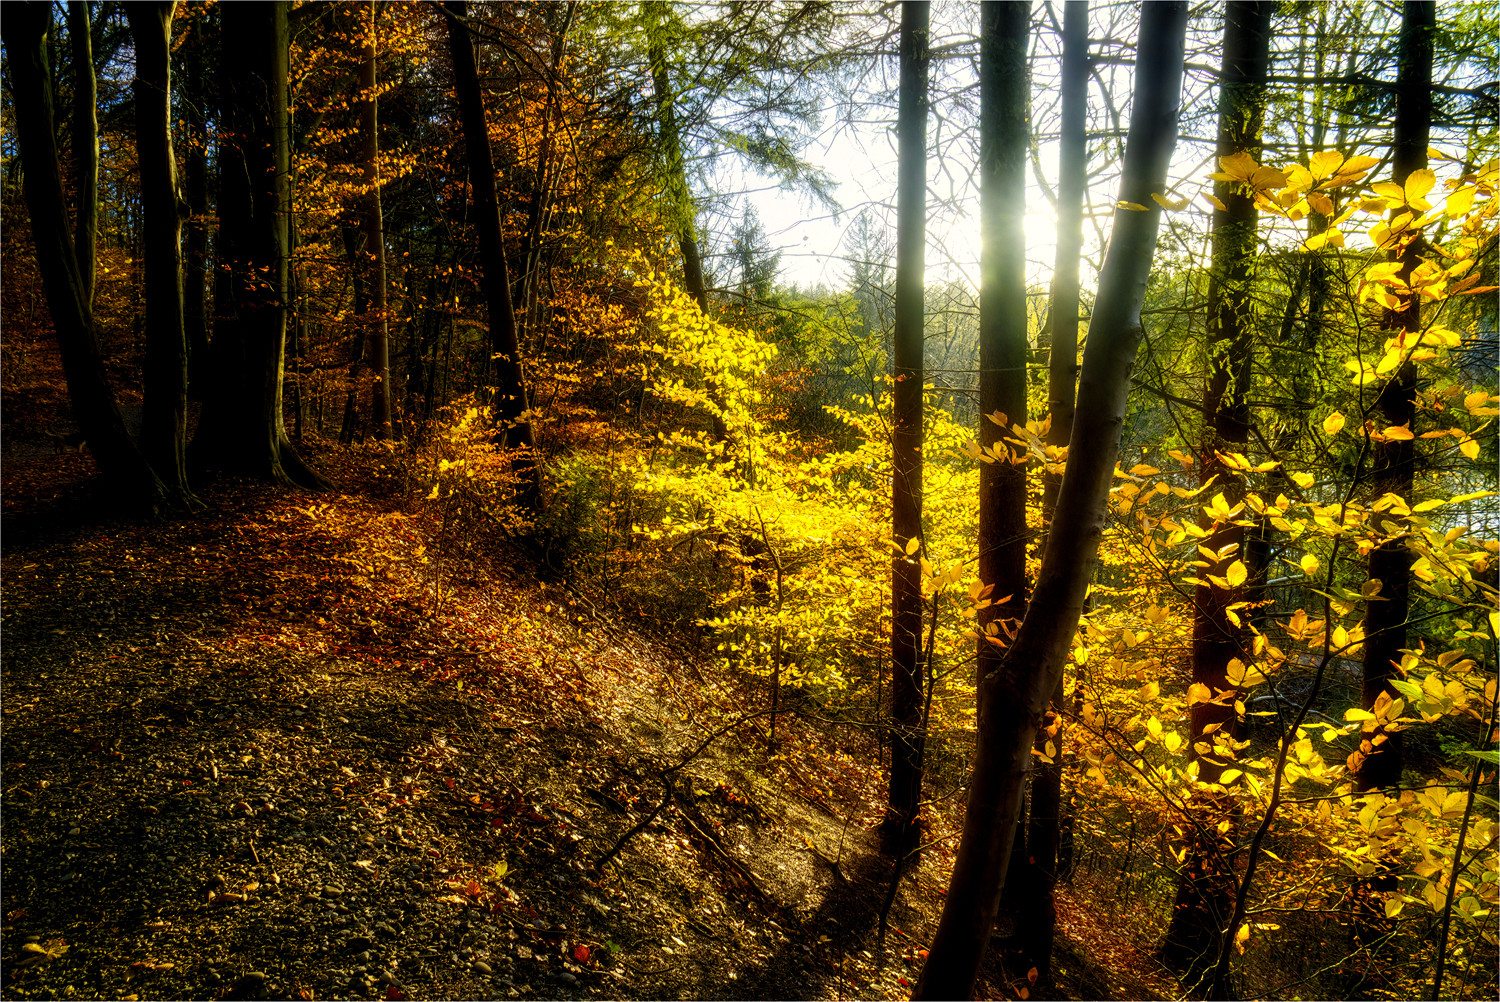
(270, 750)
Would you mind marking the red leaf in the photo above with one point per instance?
(581, 953)
(903, 982)
(394, 994)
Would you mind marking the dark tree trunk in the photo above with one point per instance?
(1206, 887)
(85, 142)
(242, 430)
(164, 426)
(906, 508)
(195, 190)
(1003, 147)
(1378, 763)
(512, 412)
(1395, 461)
(1047, 807)
(24, 29)
(1021, 690)
(380, 343)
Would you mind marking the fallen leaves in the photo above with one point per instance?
(40, 953)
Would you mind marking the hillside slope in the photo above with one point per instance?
(283, 749)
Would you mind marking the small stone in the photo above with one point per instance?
(359, 944)
(483, 968)
(566, 978)
(332, 891)
(75, 831)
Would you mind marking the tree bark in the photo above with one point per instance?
(512, 411)
(24, 29)
(164, 425)
(380, 344)
(1047, 807)
(1020, 690)
(677, 185)
(906, 507)
(1206, 888)
(85, 142)
(1395, 462)
(195, 190)
(242, 430)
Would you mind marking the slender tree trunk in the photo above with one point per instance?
(1047, 807)
(354, 241)
(677, 187)
(195, 189)
(85, 141)
(380, 343)
(1378, 763)
(906, 510)
(1003, 149)
(512, 411)
(1380, 759)
(164, 427)
(24, 29)
(1022, 688)
(1206, 887)
(243, 429)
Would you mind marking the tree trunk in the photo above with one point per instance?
(24, 30)
(1206, 887)
(242, 430)
(1003, 149)
(85, 142)
(512, 411)
(380, 344)
(1390, 563)
(1020, 691)
(1047, 807)
(195, 189)
(164, 426)
(1378, 763)
(677, 187)
(906, 507)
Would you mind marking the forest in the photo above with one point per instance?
(750, 499)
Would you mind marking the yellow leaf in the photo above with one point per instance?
(913, 545)
(1460, 201)
(1399, 433)
(1167, 203)
(1309, 564)
(1132, 206)
(1418, 184)
(1236, 574)
(1333, 423)
(1302, 480)
(1213, 200)
(1469, 447)
(1476, 400)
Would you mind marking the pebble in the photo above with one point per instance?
(332, 891)
(483, 968)
(566, 978)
